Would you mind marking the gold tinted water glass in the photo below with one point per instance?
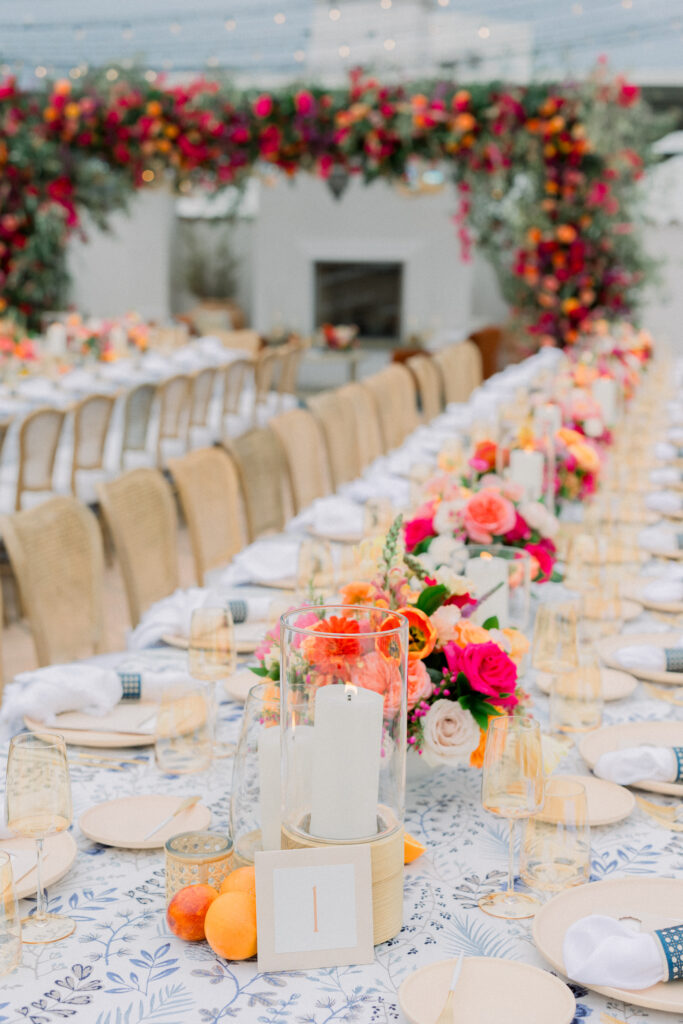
(183, 739)
(556, 847)
(38, 799)
(576, 696)
(10, 925)
(512, 787)
(212, 656)
(315, 575)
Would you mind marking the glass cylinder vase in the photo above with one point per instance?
(343, 715)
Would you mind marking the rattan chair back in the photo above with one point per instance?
(245, 340)
(368, 433)
(474, 364)
(92, 417)
(39, 436)
(394, 392)
(336, 418)
(261, 466)
(292, 356)
(140, 512)
(56, 554)
(429, 386)
(305, 455)
(203, 382)
(455, 371)
(208, 487)
(175, 395)
(237, 376)
(4, 427)
(137, 412)
(267, 373)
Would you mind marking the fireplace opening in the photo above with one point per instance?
(365, 294)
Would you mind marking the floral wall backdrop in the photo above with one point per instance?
(547, 175)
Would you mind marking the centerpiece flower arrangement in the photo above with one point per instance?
(577, 465)
(339, 337)
(494, 513)
(15, 345)
(459, 674)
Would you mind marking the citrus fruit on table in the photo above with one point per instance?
(187, 910)
(230, 925)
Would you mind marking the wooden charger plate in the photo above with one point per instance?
(115, 729)
(607, 649)
(336, 537)
(634, 734)
(59, 853)
(488, 992)
(615, 685)
(124, 821)
(607, 802)
(636, 587)
(630, 610)
(238, 685)
(652, 901)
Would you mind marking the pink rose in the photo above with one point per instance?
(520, 531)
(542, 556)
(417, 530)
(304, 101)
(488, 669)
(488, 514)
(263, 105)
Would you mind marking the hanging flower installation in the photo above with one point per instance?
(546, 175)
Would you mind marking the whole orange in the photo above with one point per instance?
(240, 880)
(230, 926)
(186, 912)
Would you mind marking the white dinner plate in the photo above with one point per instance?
(652, 901)
(615, 685)
(129, 724)
(489, 991)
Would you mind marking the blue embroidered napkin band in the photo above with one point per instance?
(672, 944)
(678, 751)
(131, 685)
(674, 659)
(238, 609)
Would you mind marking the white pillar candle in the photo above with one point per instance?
(269, 787)
(118, 338)
(55, 338)
(605, 393)
(526, 469)
(347, 743)
(486, 573)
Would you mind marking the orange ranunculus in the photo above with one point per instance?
(467, 632)
(565, 233)
(359, 592)
(485, 451)
(336, 644)
(422, 634)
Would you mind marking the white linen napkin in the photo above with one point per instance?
(172, 615)
(664, 591)
(38, 389)
(665, 451)
(78, 380)
(659, 538)
(331, 516)
(265, 561)
(648, 656)
(634, 764)
(46, 692)
(396, 488)
(600, 950)
(664, 501)
(675, 435)
(665, 476)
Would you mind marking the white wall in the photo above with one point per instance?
(663, 313)
(300, 222)
(128, 267)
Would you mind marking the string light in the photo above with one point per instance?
(212, 62)
(385, 4)
(79, 33)
(148, 175)
(75, 73)
(335, 14)
(40, 71)
(150, 76)
(389, 44)
(443, 3)
(484, 32)
(175, 28)
(111, 75)
(280, 18)
(230, 25)
(127, 33)
(299, 56)
(627, 4)
(344, 51)
(577, 9)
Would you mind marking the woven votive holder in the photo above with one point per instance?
(194, 857)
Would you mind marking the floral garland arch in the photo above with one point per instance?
(547, 175)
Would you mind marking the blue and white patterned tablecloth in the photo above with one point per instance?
(122, 966)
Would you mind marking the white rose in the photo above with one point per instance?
(539, 518)
(441, 551)
(447, 516)
(594, 427)
(457, 585)
(450, 734)
(444, 620)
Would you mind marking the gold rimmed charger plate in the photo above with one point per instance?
(238, 685)
(607, 649)
(636, 588)
(615, 685)
(630, 610)
(678, 515)
(652, 901)
(59, 853)
(124, 821)
(607, 802)
(635, 734)
(118, 728)
(484, 993)
(242, 645)
(673, 554)
(336, 537)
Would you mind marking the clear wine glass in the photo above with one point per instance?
(38, 798)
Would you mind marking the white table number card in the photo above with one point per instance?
(314, 908)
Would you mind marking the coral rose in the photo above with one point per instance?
(450, 734)
(488, 669)
(466, 632)
(586, 456)
(488, 514)
(375, 672)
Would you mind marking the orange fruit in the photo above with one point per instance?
(187, 910)
(412, 849)
(230, 925)
(240, 880)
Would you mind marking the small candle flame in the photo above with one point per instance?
(350, 690)
(486, 555)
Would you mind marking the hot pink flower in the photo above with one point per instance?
(263, 105)
(416, 530)
(544, 560)
(488, 514)
(304, 101)
(488, 669)
(520, 531)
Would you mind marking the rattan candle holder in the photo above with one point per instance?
(194, 857)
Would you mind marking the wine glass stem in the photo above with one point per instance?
(511, 858)
(41, 909)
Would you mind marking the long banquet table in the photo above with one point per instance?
(123, 966)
